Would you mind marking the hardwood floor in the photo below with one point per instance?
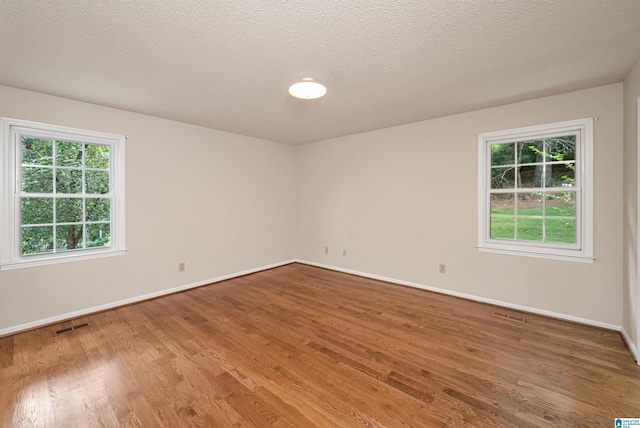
(299, 346)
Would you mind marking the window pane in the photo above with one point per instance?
(530, 151)
(530, 204)
(37, 180)
(69, 237)
(68, 210)
(96, 156)
(37, 240)
(502, 227)
(529, 218)
(36, 151)
(502, 216)
(68, 154)
(530, 176)
(97, 182)
(561, 230)
(503, 178)
(68, 180)
(503, 154)
(98, 235)
(98, 209)
(502, 203)
(37, 210)
(561, 175)
(561, 204)
(560, 148)
(529, 229)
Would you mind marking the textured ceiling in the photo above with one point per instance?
(228, 64)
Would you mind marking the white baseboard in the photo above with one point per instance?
(100, 308)
(470, 297)
(630, 345)
(94, 309)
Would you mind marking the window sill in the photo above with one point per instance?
(568, 257)
(61, 259)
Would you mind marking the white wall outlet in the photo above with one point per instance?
(326, 250)
(182, 266)
(442, 268)
(344, 253)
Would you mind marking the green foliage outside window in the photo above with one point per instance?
(65, 199)
(540, 205)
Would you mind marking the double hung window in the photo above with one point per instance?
(535, 191)
(62, 194)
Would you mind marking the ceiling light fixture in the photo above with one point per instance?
(307, 89)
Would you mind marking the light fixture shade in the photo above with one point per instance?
(307, 89)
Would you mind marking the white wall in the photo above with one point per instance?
(400, 201)
(223, 203)
(403, 200)
(631, 310)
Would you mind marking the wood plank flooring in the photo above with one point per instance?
(299, 346)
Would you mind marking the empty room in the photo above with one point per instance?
(319, 213)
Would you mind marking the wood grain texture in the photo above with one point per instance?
(300, 346)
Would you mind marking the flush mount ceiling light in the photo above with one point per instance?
(307, 89)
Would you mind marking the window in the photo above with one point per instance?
(534, 193)
(62, 194)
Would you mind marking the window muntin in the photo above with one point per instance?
(63, 193)
(535, 190)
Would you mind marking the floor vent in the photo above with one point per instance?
(86, 324)
(70, 329)
(509, 317)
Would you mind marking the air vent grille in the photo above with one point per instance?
(509, 317)
(70, 329)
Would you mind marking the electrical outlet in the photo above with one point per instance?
(344, 253)
(326, 250)
(442, 268)
(182, 266)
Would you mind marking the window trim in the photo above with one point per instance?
(10, 257)
(583, 250)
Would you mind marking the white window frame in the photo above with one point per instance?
(582, 251)
(10, 215)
